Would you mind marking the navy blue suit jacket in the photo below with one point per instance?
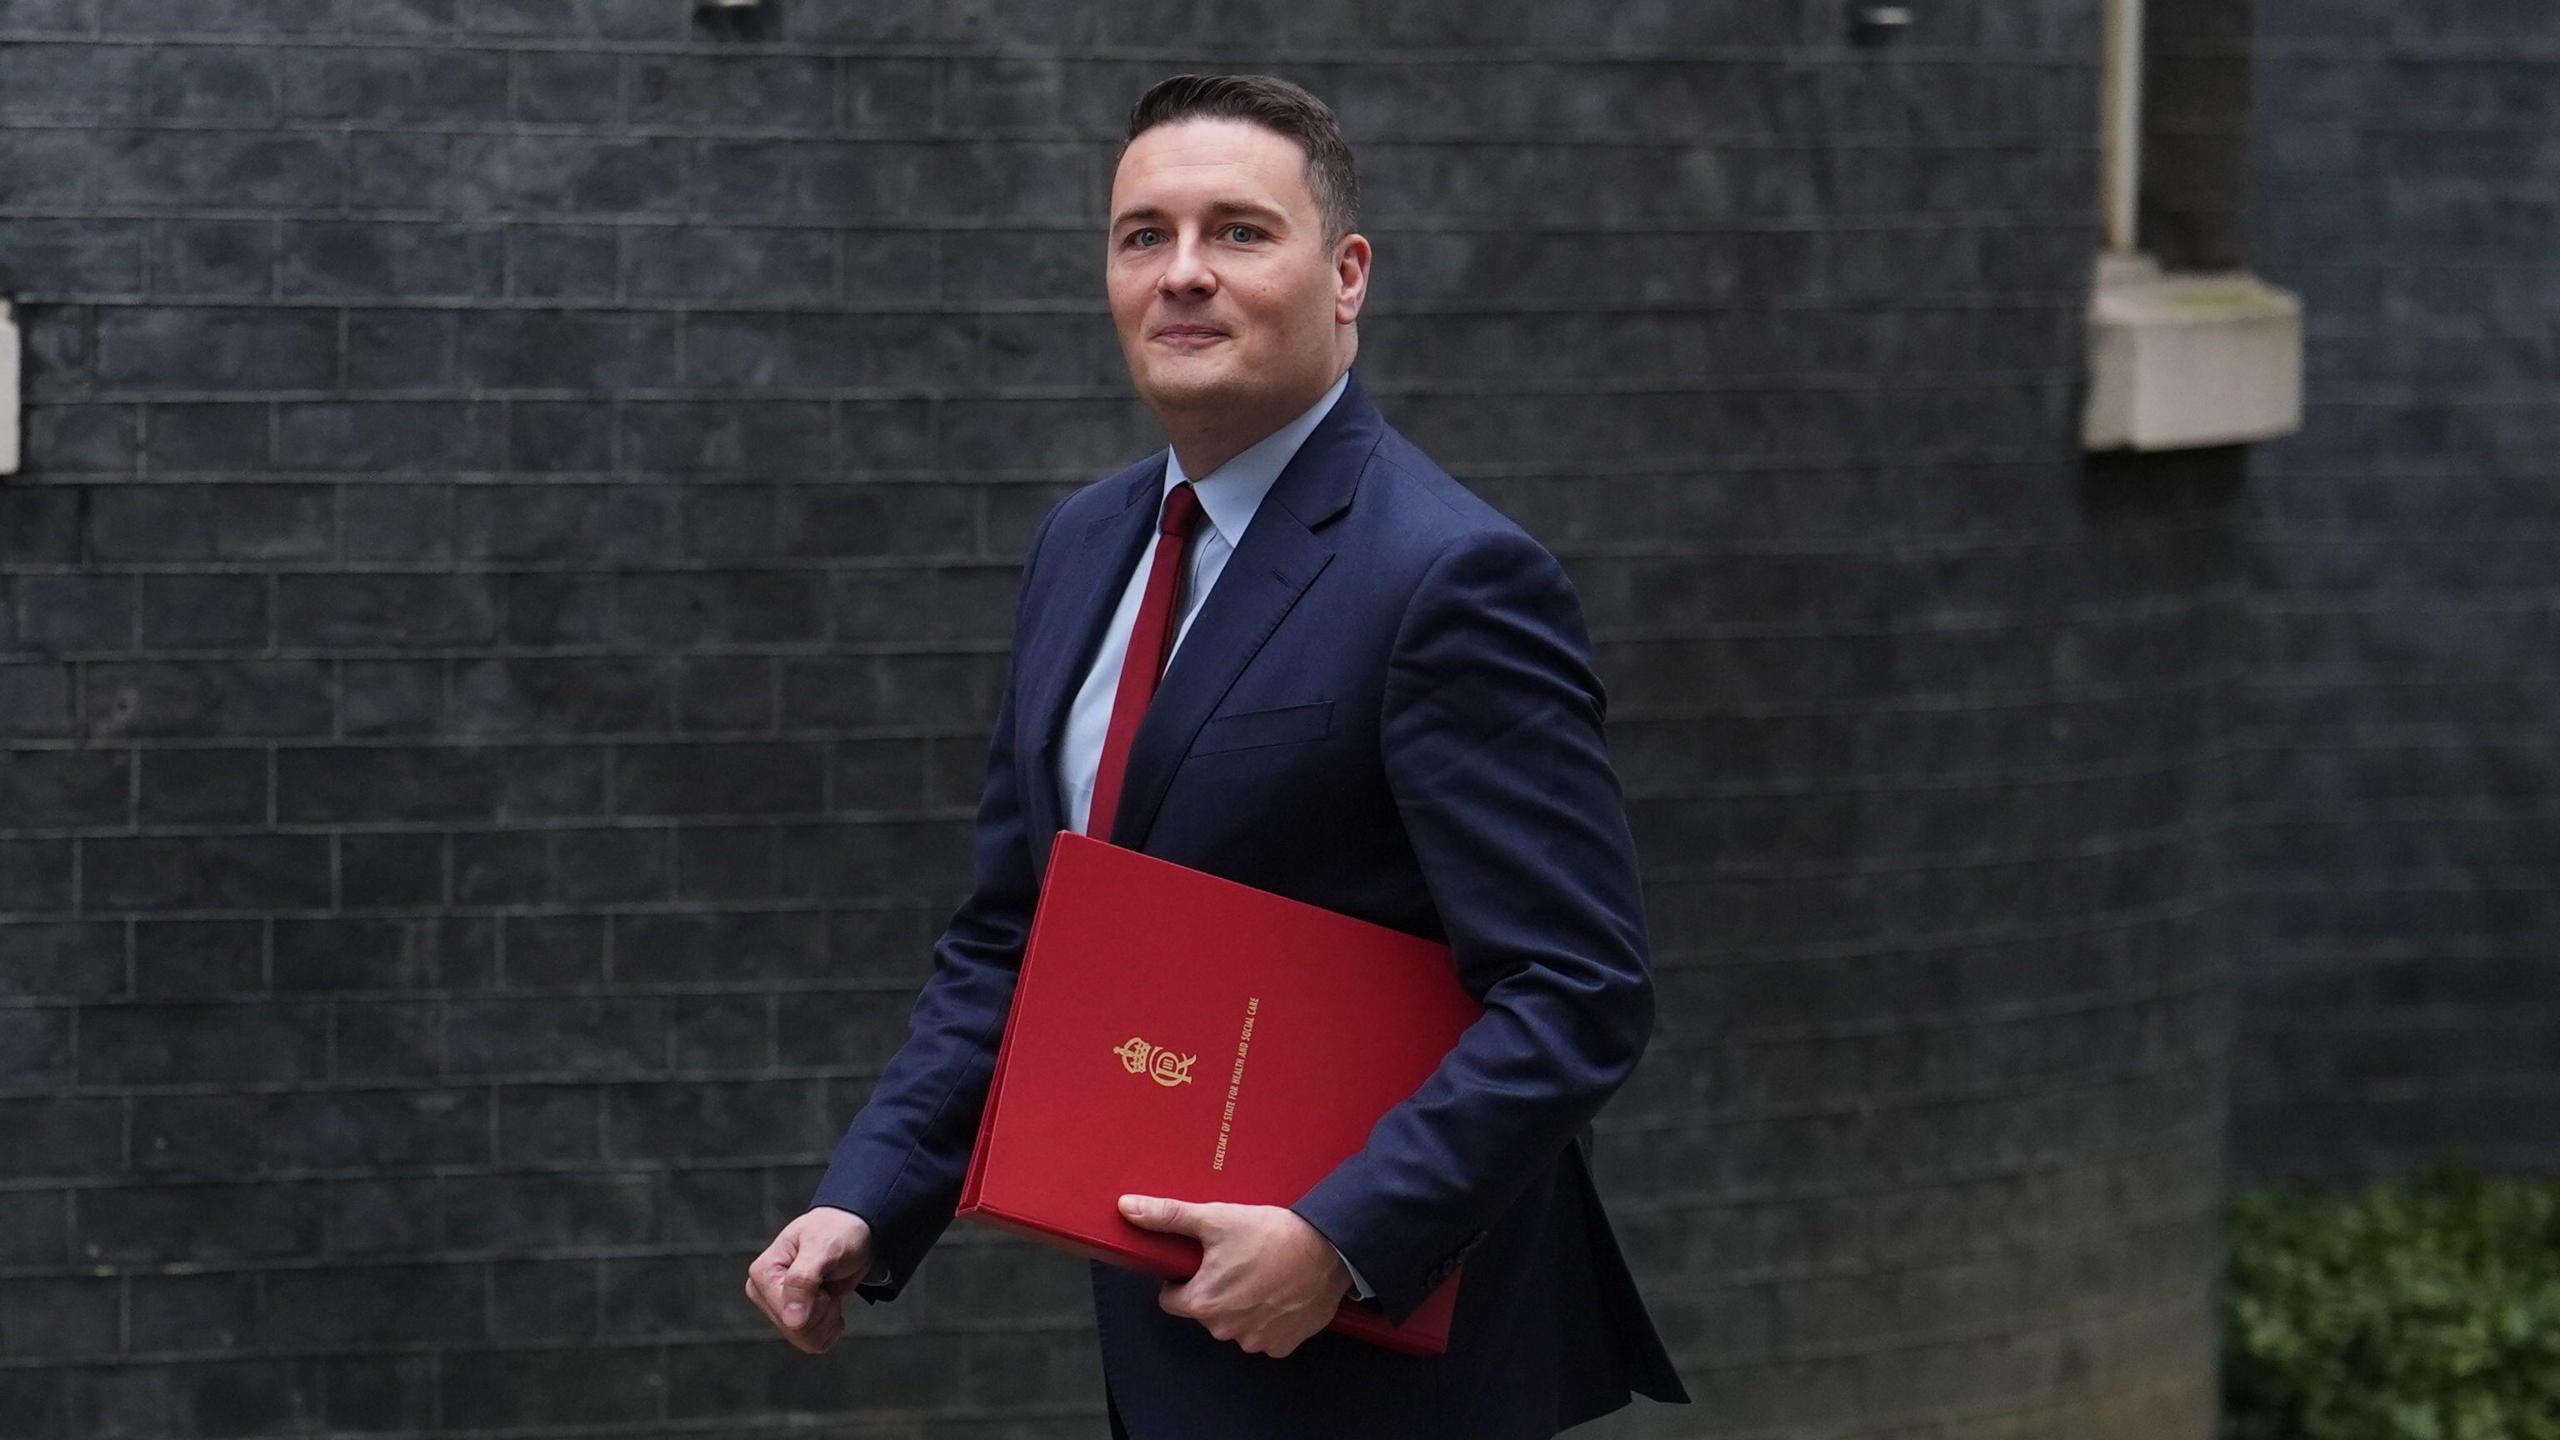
(1384, 707)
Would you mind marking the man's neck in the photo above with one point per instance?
(1203, 451)
(1202, 443)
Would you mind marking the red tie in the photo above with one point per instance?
(1149, 642)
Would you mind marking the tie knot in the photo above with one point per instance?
(1181, 511)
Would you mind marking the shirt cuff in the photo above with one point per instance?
(1359, 1288)
(879, 1268)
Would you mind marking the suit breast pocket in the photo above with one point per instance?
(1255, 729)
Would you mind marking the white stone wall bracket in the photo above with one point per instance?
(2180, 361)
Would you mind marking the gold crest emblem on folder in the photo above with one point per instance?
(1154, 1061)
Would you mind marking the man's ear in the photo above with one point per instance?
(1351, 276)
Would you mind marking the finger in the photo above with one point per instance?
(1174, 1298)
(759, 1292)
(776, 1258)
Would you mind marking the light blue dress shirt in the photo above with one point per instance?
(1229, 496)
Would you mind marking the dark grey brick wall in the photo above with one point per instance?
(521, 513)
(2198, 89)
(2400, 844)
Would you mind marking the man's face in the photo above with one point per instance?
(1226, 297)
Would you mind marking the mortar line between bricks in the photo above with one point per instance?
(1879, 1343)
(2087, 615)
(2360, 53)
(2354, 960)
(2074, 217)
(2335, 266)
(1894, 782)
(2395, 398)
(1948, 1019)
(2521, 1085)
(1873, 709)
(1687, 466)
(2486, 599)
(1843, 56)
(974, 734)
(2526, 879)
(786, 304)
(1911, 546)
(2120, 843)
(2095, 614)
(456, 1259)
(2044, 1321)
(2367, 682)
(2175, 1138)
(1867, 1263)
(509, 1347)
(2059, 1401)
(1968, 383)
(666, 909)
(2386, 126)
(1880, 707)
(2465, 472)
(1670, 960)
(2201, 130)
(481, 825)
(693, 136)
(2391, 810)
(1735, 957)
(2453, 1020)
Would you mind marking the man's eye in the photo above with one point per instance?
(1243, 234)
(1144, 237)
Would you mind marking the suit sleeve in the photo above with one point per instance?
(1491, 735)
(901, 1163)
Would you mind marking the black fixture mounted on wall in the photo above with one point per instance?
(1873, 24)
(742, 19)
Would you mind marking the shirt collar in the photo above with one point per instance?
(1231, 493)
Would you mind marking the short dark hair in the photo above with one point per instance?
(1274, 104)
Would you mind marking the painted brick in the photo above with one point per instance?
(397, 85)
(568, 464)
(567, 87)
(2383, 674)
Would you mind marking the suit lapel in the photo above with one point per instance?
(1280, 555)
(1068, 633)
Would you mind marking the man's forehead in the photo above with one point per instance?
(1212, 161)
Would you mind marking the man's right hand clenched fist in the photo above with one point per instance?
(800, 1280)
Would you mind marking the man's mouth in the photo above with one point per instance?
(1190, 334)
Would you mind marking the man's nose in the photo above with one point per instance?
(1188, 272)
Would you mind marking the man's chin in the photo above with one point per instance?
(1190, 385)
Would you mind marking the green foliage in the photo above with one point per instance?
(2416, 1309)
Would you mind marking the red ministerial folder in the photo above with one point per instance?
(1175, 1033)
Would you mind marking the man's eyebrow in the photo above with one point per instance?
(1219, 207)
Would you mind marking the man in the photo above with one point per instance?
(1378, 700)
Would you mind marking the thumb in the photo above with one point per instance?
(803, 1282)
(1155, 1212)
